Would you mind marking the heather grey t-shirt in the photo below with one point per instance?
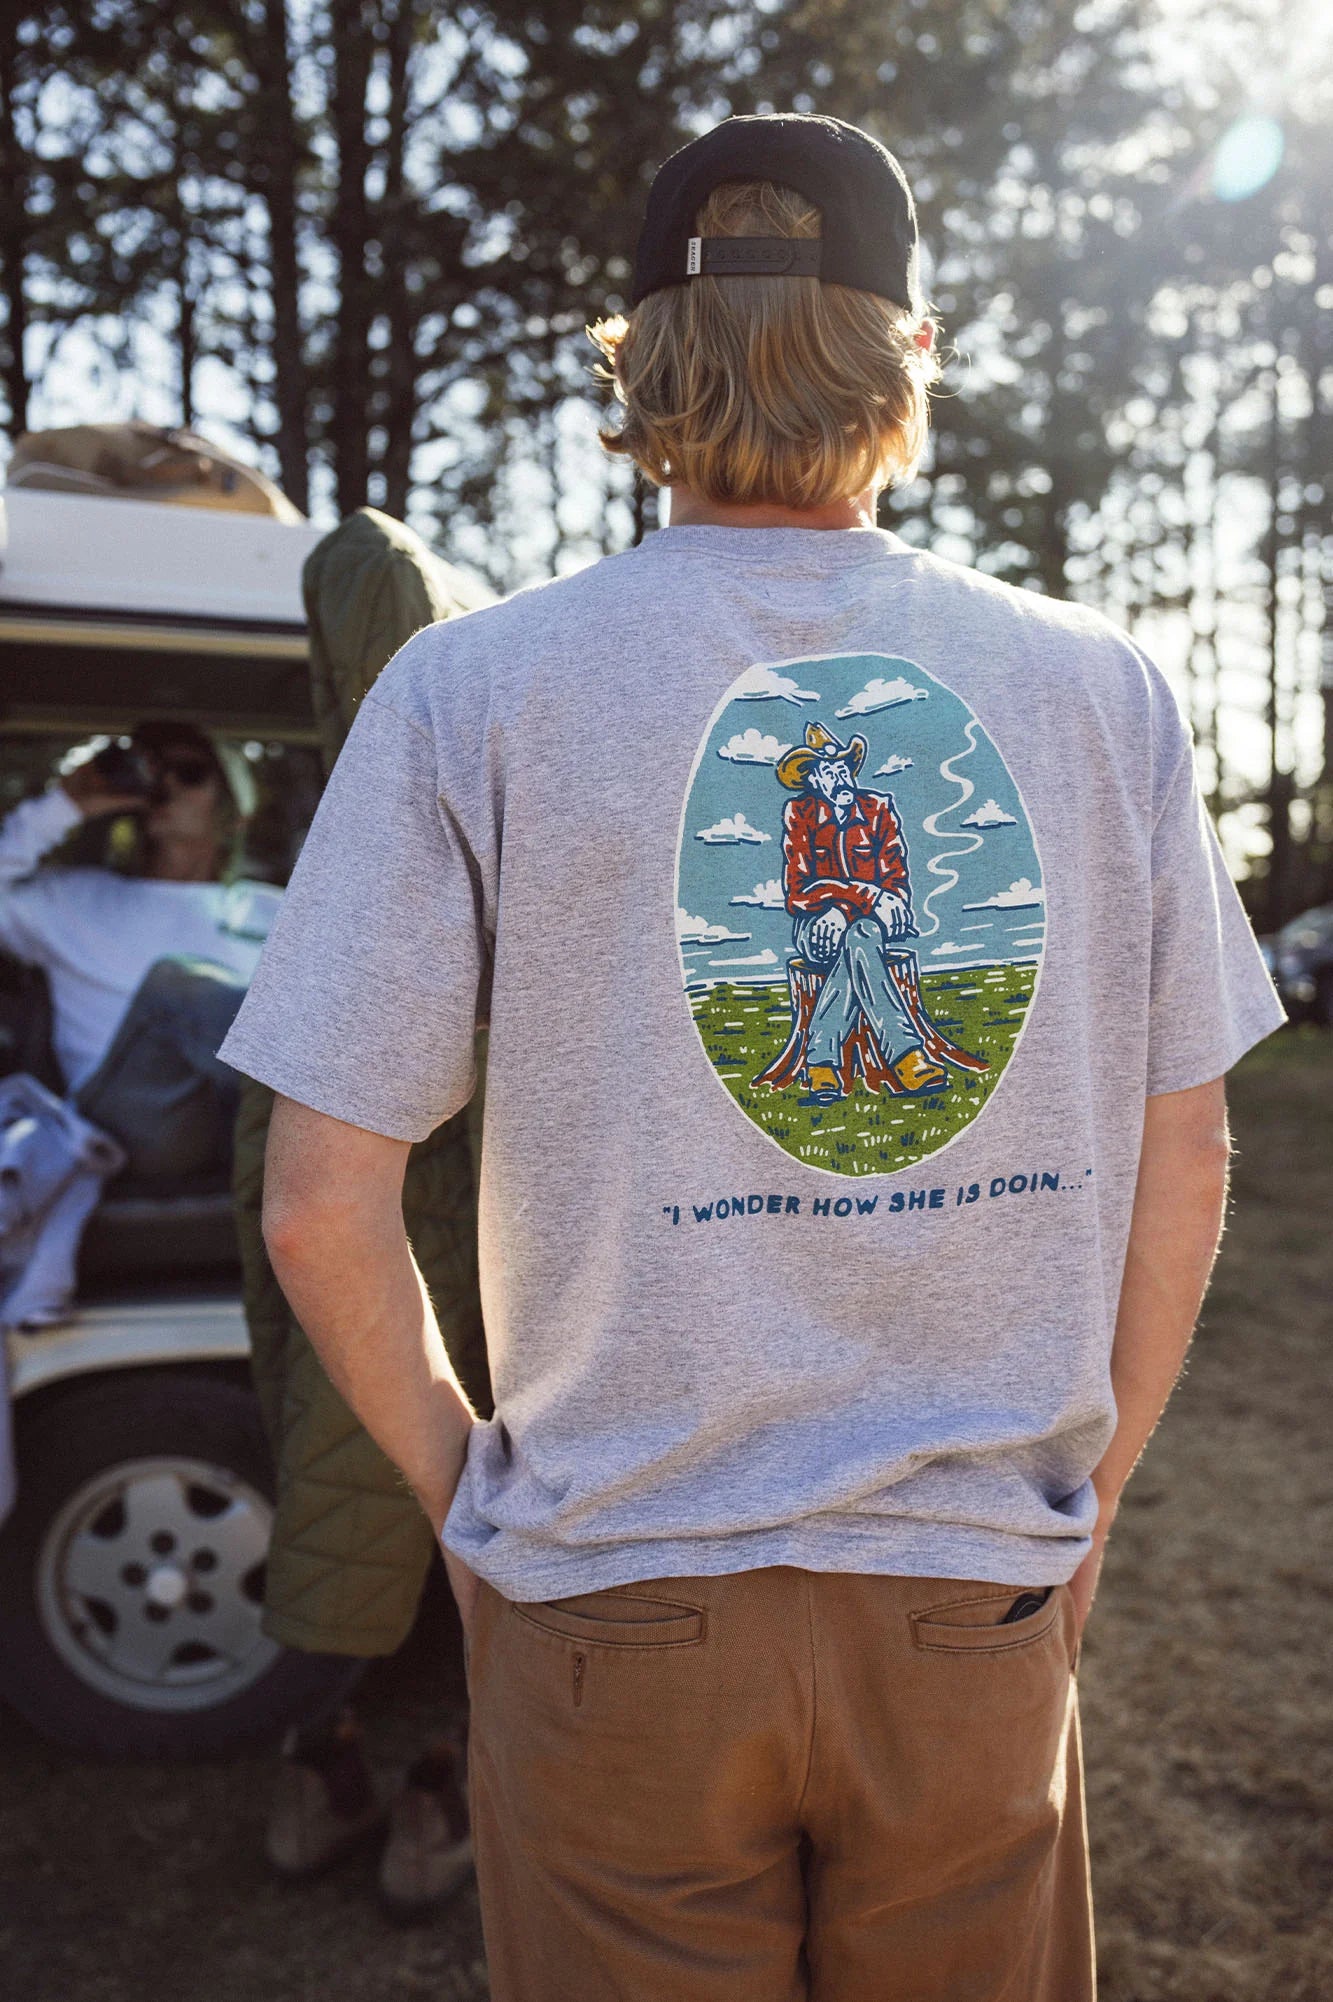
(834, 909)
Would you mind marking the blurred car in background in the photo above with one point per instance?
(131, 1569)
(1302, 965)
(132, 1564)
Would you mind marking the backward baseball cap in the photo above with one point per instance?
(868, 217)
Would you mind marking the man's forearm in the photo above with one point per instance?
(1177, 1220)
(333, 1224)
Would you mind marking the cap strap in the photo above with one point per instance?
(786, 256)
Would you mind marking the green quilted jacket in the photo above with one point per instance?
(351, 1547)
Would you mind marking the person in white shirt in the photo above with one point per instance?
(95, 932)
(146, 966)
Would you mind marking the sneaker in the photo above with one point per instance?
(324, 1803)
(429, 1850)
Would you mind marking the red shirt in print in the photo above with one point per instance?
(846, 865)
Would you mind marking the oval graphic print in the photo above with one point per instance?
(860, 909)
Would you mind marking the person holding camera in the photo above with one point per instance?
(97, 932)
(146, 964)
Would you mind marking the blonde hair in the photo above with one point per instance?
(750, 388)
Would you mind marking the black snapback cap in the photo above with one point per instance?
(868, 217)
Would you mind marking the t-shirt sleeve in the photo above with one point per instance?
(1211, 997)
(364, 1002)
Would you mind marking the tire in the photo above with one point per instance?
(131, 1574)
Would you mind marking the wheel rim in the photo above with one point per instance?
(150, 1584)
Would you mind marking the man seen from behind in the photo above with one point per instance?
(823, 1343)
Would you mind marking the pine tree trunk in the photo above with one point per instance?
(13, 237)
(396, 403)
(1279, 781)
(350, 235)
(276, 176)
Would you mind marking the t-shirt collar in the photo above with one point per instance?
(782, 548)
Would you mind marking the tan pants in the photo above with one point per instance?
(778, 1785)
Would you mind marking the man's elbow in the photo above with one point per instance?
(327, 1185)
(1209, 1166)
(306, 1225)
(290, 1224)
(1186, 1133)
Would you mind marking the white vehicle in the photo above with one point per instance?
(132, 1565)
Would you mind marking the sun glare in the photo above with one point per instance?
(1247, 156)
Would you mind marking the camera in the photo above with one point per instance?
(123, 768)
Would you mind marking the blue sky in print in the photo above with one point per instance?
(976, 879)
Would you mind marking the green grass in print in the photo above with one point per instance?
(744, 1027)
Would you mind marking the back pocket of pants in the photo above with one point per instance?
(977, 1625)
(615, 1619)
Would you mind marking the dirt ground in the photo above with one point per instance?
(1207, 1686)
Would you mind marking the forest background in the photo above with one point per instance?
(361, 242)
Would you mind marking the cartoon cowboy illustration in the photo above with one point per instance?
(846, 882)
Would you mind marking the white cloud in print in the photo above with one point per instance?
(752, 747)
(990, 814)
(698, 931)
(731, 828)
(765, 895)
(1020, 896)
(768, 896)
(764, 684)
(881, 694)
(892, 765)
(765, 958)
(950, 947)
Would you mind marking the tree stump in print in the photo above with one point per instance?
(861, 1052)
